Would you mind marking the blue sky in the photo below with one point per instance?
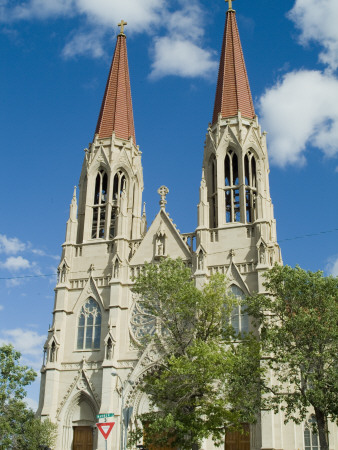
(55, 57)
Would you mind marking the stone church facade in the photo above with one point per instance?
(93, 363)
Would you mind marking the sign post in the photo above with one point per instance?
(105, 428)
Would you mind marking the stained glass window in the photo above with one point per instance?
(89, 326)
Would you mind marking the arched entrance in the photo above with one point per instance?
(79, 431)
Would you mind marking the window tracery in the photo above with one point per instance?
(100, 205)
(142, 323)
(89, 326)
(311, 441)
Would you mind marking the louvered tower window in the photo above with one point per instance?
(100, 205)
(250, 187)
(231, 174)
(119, 185)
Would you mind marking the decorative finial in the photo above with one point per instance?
(230, 5)
(122, 25)
(163, 191)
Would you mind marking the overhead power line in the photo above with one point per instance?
(238, 248)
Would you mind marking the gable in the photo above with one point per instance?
(161, 240)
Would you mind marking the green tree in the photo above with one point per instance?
(19, 429)
(298, 318)
(206, 381)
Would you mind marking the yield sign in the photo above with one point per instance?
(105, 428)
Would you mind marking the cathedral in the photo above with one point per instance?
(92, 363)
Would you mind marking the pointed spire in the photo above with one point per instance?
(116, 113)
(73, 207)
(233, 90)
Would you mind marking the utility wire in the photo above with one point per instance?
(238, 248)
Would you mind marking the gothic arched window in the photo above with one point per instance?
(119, 185)
(250, 187)
(212, 191)
(89, 326)
(311, 441)
(100, 204)
(239, 316)
(231, 183)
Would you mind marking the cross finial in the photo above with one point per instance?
(122, 25)
(230, 4)
(163, 191)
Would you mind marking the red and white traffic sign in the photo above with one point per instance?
(105, 428)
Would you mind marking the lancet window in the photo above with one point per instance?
(311, 441)
(212, 191)
(250, 187)
(239, 316)
(100, 205)
(231, 182)
(89, 326)
(119, 185)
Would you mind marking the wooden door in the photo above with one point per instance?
(237, 440)
(83, 438)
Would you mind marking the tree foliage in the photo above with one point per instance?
(205, 380)
(298, 318)
(19, 429)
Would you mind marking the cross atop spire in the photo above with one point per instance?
(123, 23)
(230, 4)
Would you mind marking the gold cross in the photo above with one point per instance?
(230, 4)
(121, 25)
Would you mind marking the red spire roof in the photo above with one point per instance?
(233, 90)
(116, 113)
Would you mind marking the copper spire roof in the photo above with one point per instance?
(233, 90)
(116, 113)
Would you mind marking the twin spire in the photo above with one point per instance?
(232, 93)
(233, 90)
(116, 113)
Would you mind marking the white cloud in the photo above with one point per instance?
(177, 32)
(89, 44)
(15, 263)
(174, 56)
(27, 342)
(11, 246)
(318, 23)
(1, 307)
(301, 110)
(41, 9)
(141, 14)
(186, 22)
(332, 267)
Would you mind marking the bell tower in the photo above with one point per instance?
(111, 181)
(89, 336)
(235, 214)
(236, 233)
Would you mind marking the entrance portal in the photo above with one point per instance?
(83, 438)
(237, 440)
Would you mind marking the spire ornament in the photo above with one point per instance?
(230, 5)
(163, 191)
(122, 25)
